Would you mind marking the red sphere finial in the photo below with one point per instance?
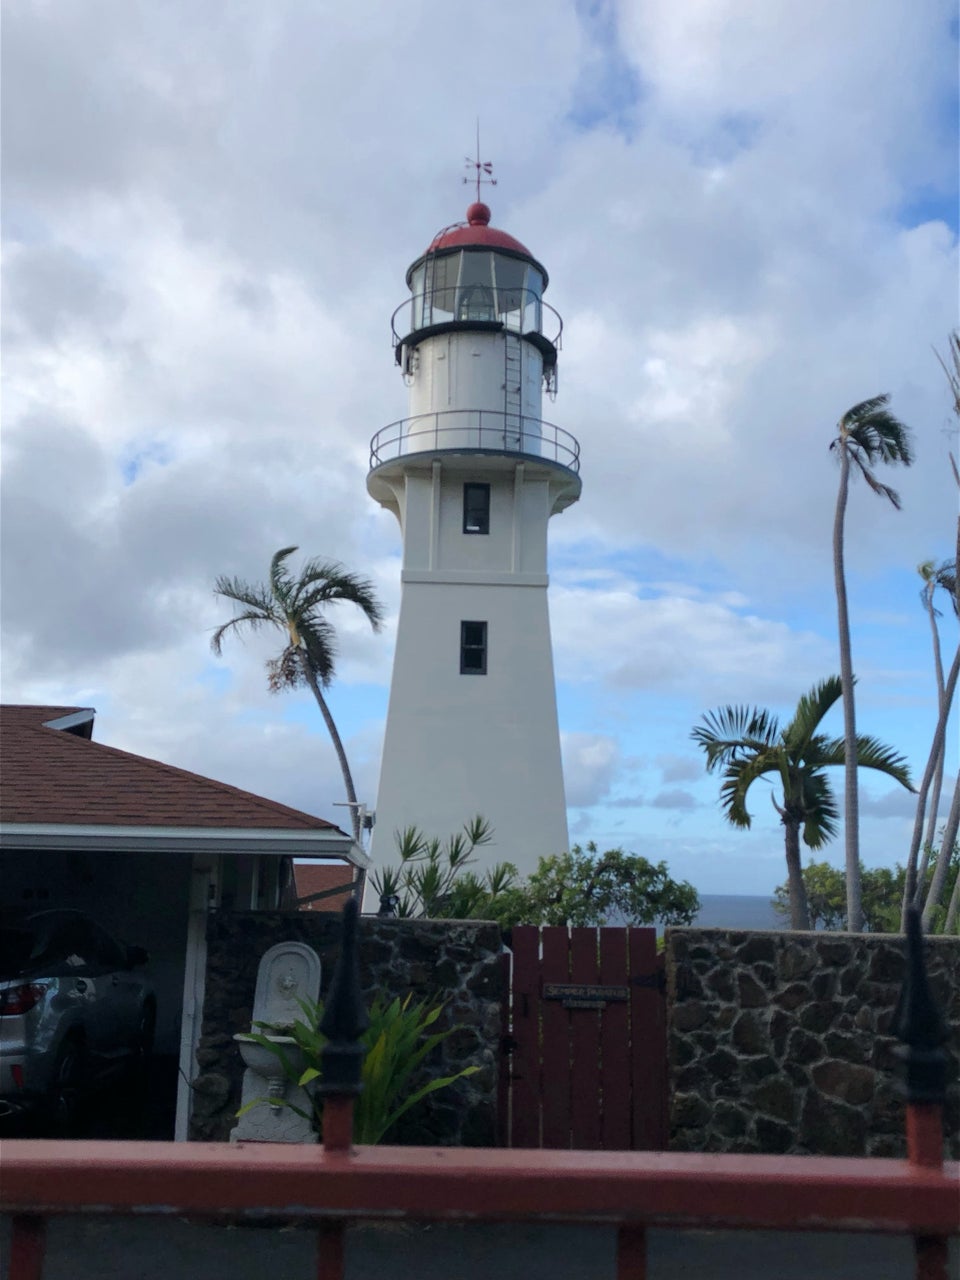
(478, 215)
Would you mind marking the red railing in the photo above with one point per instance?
(337, 1184)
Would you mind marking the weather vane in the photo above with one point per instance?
(480, 167)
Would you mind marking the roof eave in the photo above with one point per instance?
(79, 722)
(97, 838)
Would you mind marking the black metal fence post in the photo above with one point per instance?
(344, 1021)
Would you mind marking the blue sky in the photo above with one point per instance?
(208, 215)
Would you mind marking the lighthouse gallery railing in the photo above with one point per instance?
(468, 429)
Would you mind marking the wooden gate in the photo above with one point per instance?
(584, 1047)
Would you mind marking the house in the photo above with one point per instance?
(321, 886)
(148, 850)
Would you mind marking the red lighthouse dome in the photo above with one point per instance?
(477, 233)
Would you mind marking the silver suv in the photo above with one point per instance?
(72, 1008)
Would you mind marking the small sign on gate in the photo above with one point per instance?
(579, 995)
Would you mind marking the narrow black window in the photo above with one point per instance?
(476, 508)
(473, 648)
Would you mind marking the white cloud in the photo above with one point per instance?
(207, 224)
(630, 640)
(590, 763)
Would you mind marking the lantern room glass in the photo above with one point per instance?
(479, 285)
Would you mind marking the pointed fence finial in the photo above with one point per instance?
(345, 1018)
(919, 1026)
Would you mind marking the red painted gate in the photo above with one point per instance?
(584, 1063)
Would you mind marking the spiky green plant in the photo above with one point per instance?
(398, 1042)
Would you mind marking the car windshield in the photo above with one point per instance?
(56, 942)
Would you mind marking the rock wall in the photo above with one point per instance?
(454, 962)
(780, 1042)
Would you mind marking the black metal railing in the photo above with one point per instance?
(487, 429)
(520, 311)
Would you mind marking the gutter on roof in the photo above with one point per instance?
(328, 843)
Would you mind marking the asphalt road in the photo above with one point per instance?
(152, 1249)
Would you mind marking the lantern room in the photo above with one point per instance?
(477, 275)
(477, 347)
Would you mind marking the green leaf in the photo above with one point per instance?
(272, 1102)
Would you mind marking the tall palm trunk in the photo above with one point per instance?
(943, 860)
(937, 746)
(313, 682)
(799, 911)
(851, 797)
(934, 803)
(953, 911)
(930, 834)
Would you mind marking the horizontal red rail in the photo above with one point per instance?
(631, 1190)
(626, 1188)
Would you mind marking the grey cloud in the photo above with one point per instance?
(82, 117)
(50, 289)
(132, 566)
(209, 216)
(679, 768)
(675, 798)
(898, 802)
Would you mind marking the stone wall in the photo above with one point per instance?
(455, 962)
(780, 1042)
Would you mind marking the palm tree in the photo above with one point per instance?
(748, 743)
(943, 576)
(868, 434)
(295, 607)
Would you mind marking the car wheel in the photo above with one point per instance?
(66, 1087)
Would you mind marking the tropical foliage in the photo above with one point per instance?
(397, 1044)
(747, 744)
(433, 880)
(296, 607)
(868, 434)
(582, 887)
(586, 887)
(882, 894)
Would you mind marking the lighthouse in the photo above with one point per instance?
(473, 475)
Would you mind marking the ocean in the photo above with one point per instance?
(738, 911)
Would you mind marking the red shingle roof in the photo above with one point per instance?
(314, 877)
(51, 776)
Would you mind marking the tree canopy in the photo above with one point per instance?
(748, 744)
(582, 887)
(295, 606)
(882, 894)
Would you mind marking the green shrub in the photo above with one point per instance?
(397, 1045)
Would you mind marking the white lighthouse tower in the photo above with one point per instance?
(473, 475)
